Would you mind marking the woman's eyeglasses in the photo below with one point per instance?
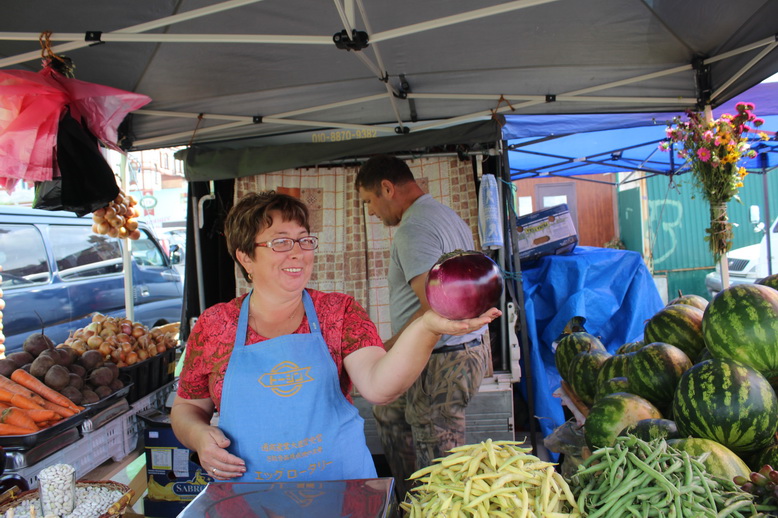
(284, 244)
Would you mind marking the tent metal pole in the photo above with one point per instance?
(454, 19)
(518, 293)
(129, 291)
(763, 163)
(142, 27)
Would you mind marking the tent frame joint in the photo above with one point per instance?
(550, 98)
(94, 38)
(357, 41)
(256, 119)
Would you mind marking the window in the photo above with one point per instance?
(80, 253)
(146, 253)
(23, 256)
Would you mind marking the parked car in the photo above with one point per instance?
(747, 264)
(173, 240)
(57, 273)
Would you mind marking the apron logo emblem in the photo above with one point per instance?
(286, 379)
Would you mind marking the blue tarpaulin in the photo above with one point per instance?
(612, 289)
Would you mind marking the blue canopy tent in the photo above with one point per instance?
(612, 289)
(576, 145)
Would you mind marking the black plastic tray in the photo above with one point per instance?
(110, 398)
(150, 374)
(31, 439)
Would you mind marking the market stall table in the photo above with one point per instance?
(364, 498)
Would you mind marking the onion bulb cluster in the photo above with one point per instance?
(119, 218)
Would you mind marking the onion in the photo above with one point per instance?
(463, 284)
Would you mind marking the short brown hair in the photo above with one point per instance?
(251, 215)
(382, 167)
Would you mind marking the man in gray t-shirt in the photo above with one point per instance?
(429, 419)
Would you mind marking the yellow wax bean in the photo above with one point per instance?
(476, 462)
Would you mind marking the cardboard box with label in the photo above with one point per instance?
(173, 479)
(548, 231)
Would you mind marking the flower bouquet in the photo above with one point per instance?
(713, 150)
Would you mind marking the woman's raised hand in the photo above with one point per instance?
(443, 326)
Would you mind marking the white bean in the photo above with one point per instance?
(91, 502)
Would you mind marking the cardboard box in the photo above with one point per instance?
(173, 479)
(548, 231)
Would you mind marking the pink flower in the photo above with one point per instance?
(703, 154)
(758, 122)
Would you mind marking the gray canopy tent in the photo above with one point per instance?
(357, 69)
(253, 86)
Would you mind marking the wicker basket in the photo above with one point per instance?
(116, 509)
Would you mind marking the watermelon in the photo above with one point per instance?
(691, 300)
(742, 323)
(721, 462)
(728, 402)
(611, 386)
(617, 366)
(613, 413)
(679, 325)
(630, 347)
(767, 456)
(655, 370)
(770, 281)
(704, 355)
(583, 373)
(570, 345)
(651, 429)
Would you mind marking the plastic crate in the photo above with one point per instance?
(150, 374)
(135, 425)
(86, 454)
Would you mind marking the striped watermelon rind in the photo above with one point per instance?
(611, 386)
(652, 429)
(617, 366)
(613, 413)
(583, 373)
(692, 300)
(655, 370)
(768, 456)
(720, 461)
(742, 323)
(570, 345)
(630, 347)
(770, 281)
(679, 325)
(728, 402)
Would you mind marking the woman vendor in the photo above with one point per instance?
(278, 363)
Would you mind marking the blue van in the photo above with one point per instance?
(57, 272)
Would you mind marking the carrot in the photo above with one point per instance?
(12, 386)
(9, 429)
(59, 410)
(27, 380)
(42, 416)
(17, 400)
(17, 417)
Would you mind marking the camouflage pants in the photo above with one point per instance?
(429, 419)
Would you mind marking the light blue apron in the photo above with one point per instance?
(284, 412)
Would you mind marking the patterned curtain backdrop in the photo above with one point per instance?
(353, 254)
